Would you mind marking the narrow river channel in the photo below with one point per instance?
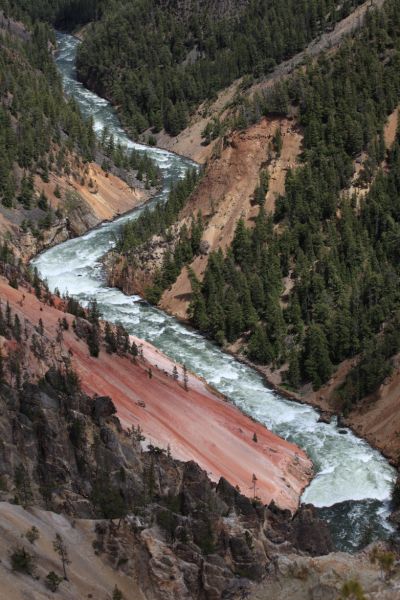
(353, 481)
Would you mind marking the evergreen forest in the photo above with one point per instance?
(38, 127)
(66, 14)
(318, 281)
(158, 62)
(41, 132)
(338, 255)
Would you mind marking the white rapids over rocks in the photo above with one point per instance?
(347, 468)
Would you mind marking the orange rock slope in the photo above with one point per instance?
(225, 194)
(197, 424)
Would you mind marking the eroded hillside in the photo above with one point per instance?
(262, 258)
(136, 514)
(227, 191)
(55, 180)
(289, 285)
(147, 396)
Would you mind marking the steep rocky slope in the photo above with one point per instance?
(181, 535)
(332, 577)
(88, 197)
(226, 193)
(166, 412)
(190, 142)
(68, 453)
(88, 573)
(138, 561)
(51, 183)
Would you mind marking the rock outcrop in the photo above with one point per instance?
(161, 521)
(167, 413)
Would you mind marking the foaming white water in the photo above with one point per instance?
(347, 468)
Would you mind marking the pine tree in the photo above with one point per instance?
(109, 338)
(293, 375)
(316, 361)
(61, 549)
(117, 594)
(93, 341)
(259, 348)
(277, 141)
(185, 378)
(2, 369)
(17, 328)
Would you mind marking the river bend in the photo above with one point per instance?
(353, 481)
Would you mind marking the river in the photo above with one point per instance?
(353, 482)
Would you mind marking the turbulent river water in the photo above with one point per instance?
(353, 482)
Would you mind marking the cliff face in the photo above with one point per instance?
(224, 195)
(167, 413)
(180, 536)
(86, 197)
(337, 575)
(52, 186)
(155, 527)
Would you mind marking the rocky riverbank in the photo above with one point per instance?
(85, 198)
(195, 422)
